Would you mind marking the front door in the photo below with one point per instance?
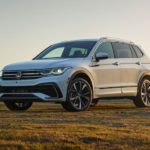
(107, 73)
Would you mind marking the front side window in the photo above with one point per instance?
(106, 48)
(122, 50)
(77, 49)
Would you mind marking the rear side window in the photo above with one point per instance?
(137, 51)
(122, 50)
(106, 48)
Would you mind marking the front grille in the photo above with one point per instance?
(51, 90)
(18, 75)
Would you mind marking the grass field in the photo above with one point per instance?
(110, 126)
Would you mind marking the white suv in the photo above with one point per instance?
(77, 74)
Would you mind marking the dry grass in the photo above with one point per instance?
(110, 126)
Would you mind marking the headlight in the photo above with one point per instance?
(57, 71)
(54, 71)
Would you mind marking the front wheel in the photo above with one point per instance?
(18, 106)
(143, 97)
(79, 95)
(94, 102)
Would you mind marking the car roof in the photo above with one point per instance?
(101, 39)
(81, 40)
(115, 40)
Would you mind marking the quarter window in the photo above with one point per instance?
(122, 50)
(106, 48)
(138, 51)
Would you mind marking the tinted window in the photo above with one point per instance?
(77, 49)
(122, 50)
(138, 51)
(106, 48)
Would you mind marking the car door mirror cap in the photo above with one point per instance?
(100, 56)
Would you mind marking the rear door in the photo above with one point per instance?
(130, 67)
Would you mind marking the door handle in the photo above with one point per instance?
(138, 63)
(116, 63)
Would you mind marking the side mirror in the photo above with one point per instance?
(100, 56)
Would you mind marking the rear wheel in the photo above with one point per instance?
(79, 95)
(143, 96)
(18, 106)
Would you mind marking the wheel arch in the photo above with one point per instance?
(85, 75)
(138, 99)
(144, 75)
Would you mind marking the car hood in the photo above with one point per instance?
(42, 64)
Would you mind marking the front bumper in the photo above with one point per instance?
(41, 92)
(48, 89)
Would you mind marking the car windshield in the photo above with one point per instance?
(77, 49)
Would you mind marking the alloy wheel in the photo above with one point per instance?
(80, 94)
(145, 92)
(18, 106)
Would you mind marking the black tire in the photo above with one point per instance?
(79, 95)
(143, 96)
(94, 102)
(18, 106)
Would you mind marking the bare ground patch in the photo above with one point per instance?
(114, 126)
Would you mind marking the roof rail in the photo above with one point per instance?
(116, 39)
